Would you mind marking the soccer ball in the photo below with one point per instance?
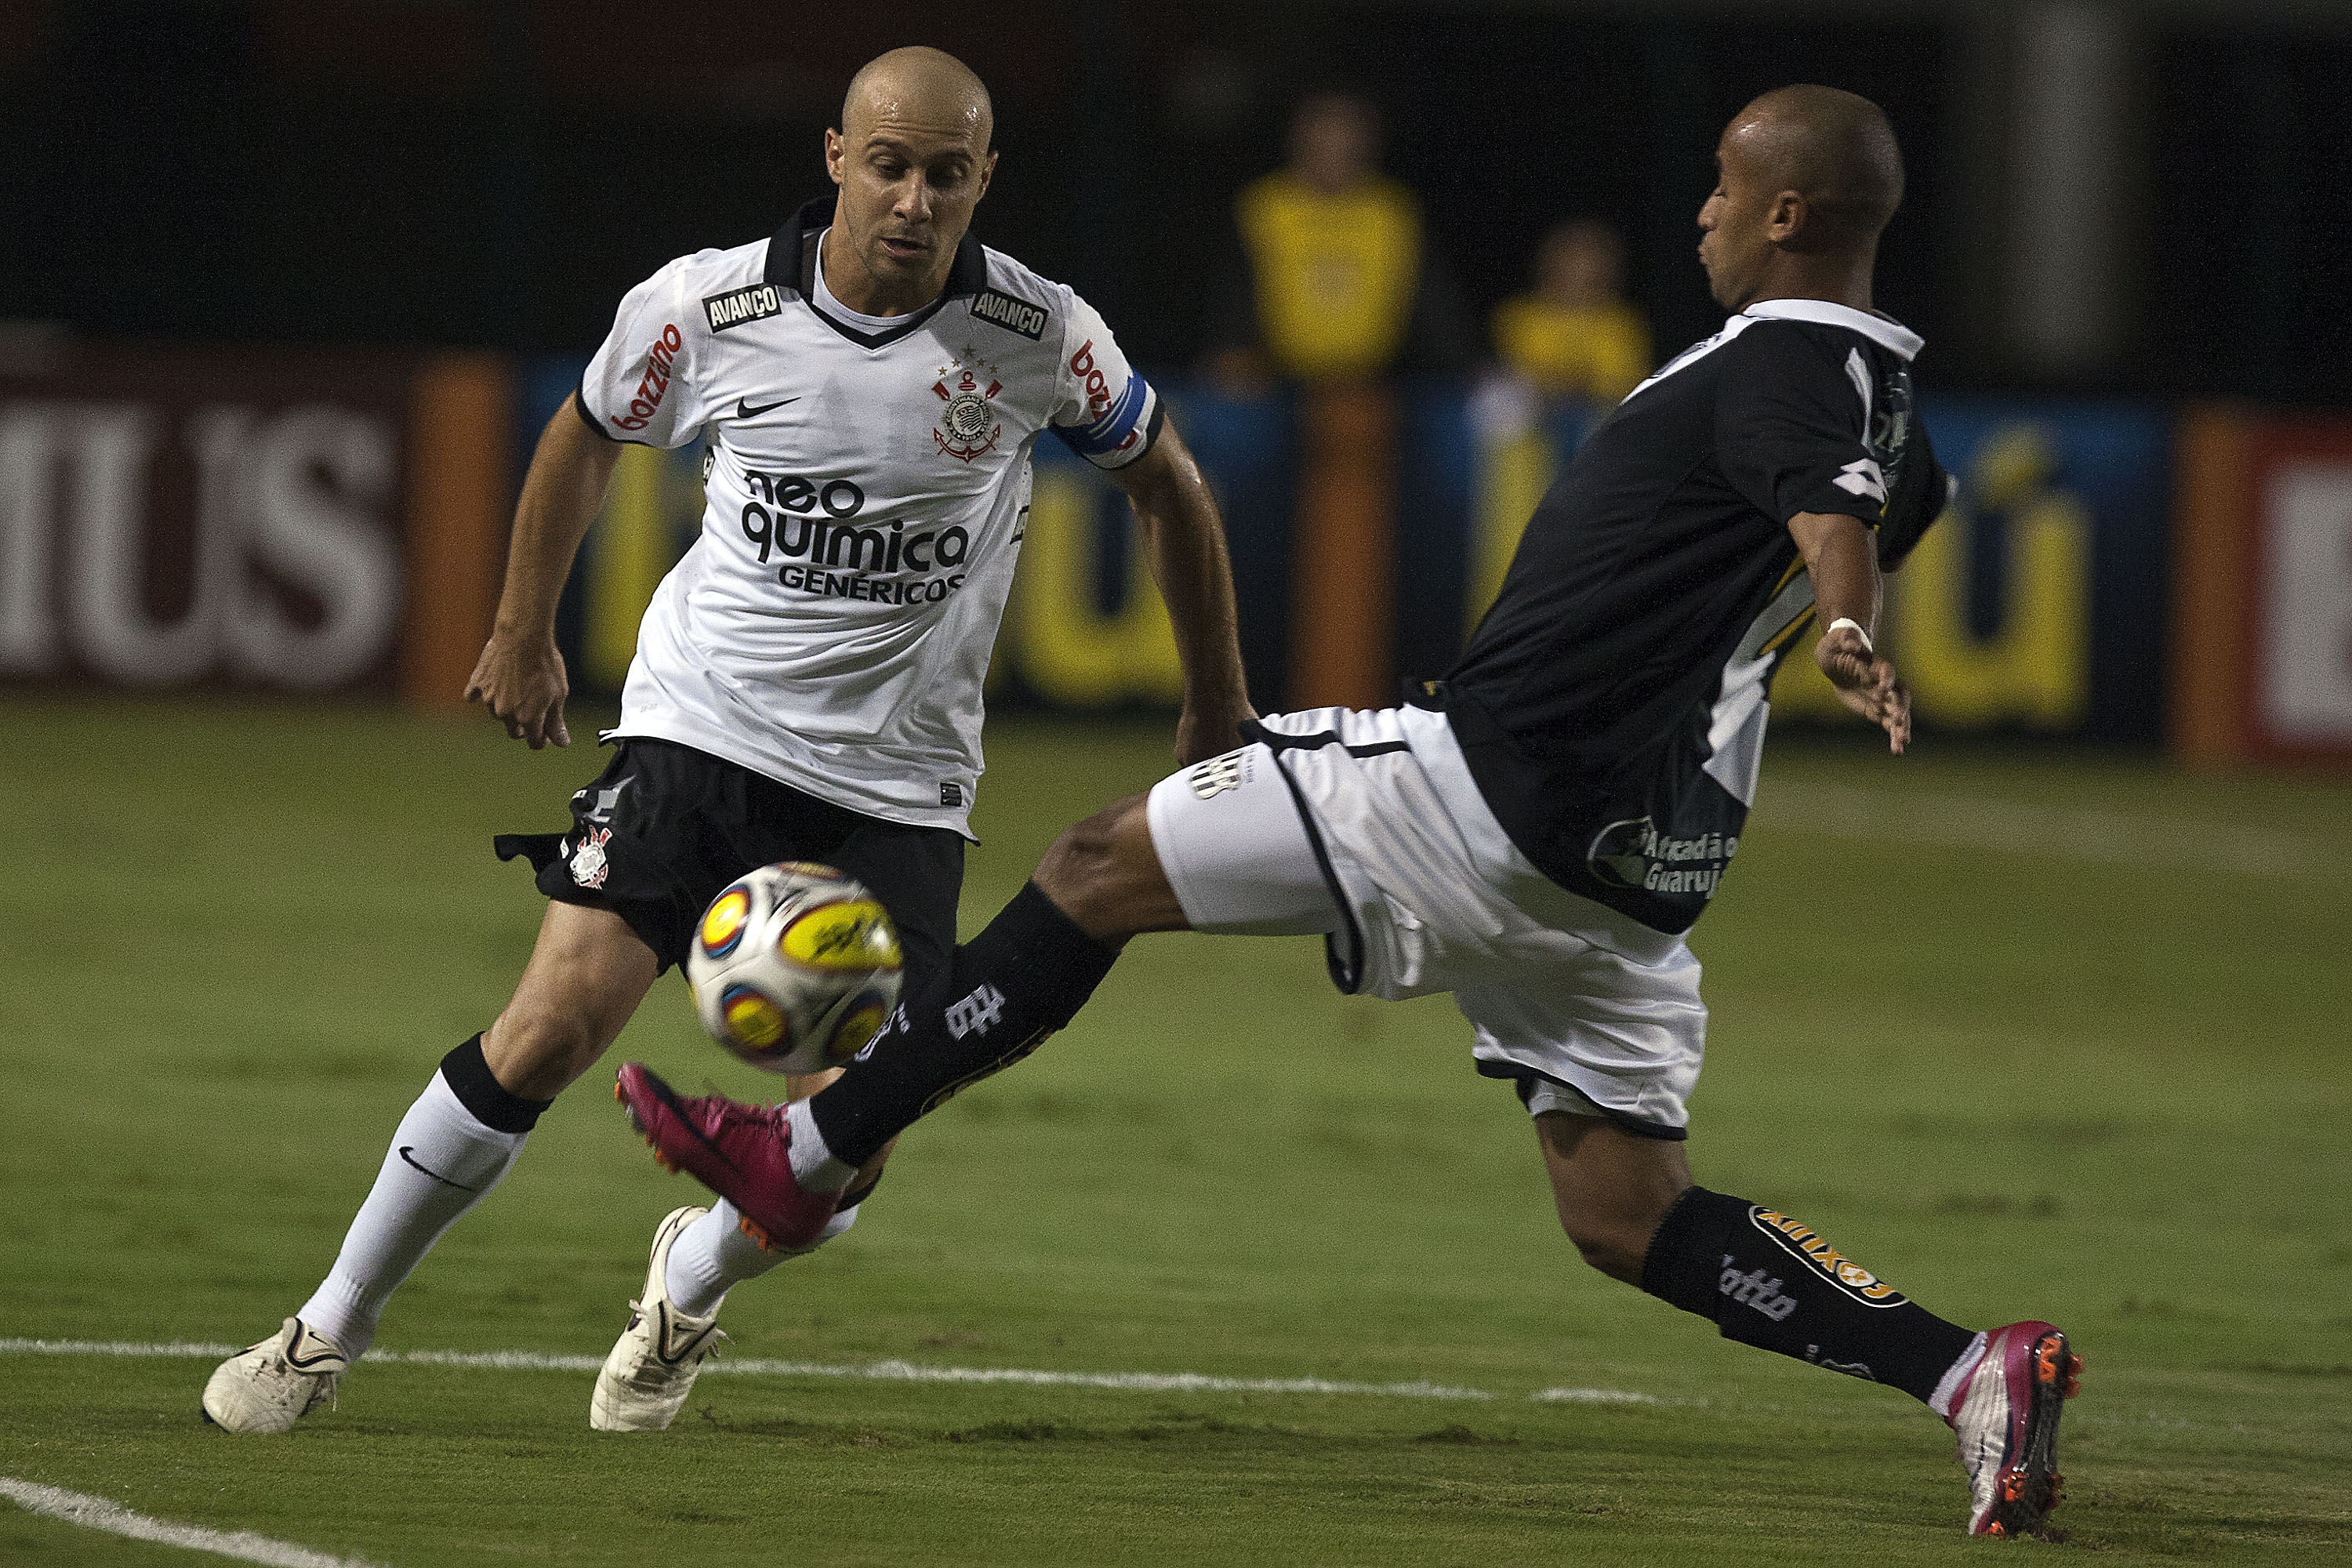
(795, 968)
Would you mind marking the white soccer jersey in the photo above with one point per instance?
(865, 498)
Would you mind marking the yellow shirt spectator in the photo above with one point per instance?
(1335, 272)
(1332, 278)
(1574, 335)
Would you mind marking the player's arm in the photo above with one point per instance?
(520, 677)
(1841, 556)
(1185, 545)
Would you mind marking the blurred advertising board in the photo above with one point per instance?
(334, 524)
(2038, 603)
(2263, 621)
(1369, 527)
(250, 520)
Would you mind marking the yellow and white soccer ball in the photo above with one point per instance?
(795, 968)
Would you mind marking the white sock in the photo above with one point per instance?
(814, 1166)
(442, 1161)
(712, 1255)
(1946, 1401)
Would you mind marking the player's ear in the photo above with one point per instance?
(1786, 220)
(836, 153)
(987, 172)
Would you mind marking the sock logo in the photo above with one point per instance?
(895, 1024)
(1753, 1289)
(976, 1013)
(1802, 1242)
(1860, 1369)
(410, 1161)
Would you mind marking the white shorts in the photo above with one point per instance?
(1366, 827)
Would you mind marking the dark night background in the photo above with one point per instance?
(497, 174)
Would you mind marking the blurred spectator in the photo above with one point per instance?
(1332, 277)
(1575, 336)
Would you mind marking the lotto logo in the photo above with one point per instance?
(1754, 1289)
(977, 1013)
(1861, 478)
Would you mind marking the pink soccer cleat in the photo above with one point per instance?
(737, 1151)
(2006, 1414)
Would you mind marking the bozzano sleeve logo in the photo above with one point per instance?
(1802, 1242)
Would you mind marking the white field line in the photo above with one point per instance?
(98, 1513)
(2066, 833)
(873, 1371)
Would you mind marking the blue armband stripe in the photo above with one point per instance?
(1109, 433)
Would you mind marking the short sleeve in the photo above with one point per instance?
(1104, 411)
(1922, 491)
(1790, 419)
(639, 386)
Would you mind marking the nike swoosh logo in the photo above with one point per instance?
(744, 409)
(411, 1160)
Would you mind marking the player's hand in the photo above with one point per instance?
(1866, 683)
(1211, 729)
(521, 681)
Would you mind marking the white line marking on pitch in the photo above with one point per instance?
(876, 1370)
(98, 1513)
(2021, 827)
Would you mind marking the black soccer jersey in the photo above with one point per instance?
(1611, 703)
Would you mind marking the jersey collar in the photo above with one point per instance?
(792, 263)
(1891, 335)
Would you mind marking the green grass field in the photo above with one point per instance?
(2049, 1035)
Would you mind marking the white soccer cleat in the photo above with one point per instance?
(652, 1368)
(2007, 1421)
(275, 1383)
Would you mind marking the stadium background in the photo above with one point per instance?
(2116, 216)
(286, 289)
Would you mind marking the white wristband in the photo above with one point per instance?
(1850, 621)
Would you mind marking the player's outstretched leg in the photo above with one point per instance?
(1019, 981)
(1767, 1280)
(586, 975)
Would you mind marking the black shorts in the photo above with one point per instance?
(665, 827)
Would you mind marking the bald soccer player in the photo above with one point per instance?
(1539, 830)
(867, 385)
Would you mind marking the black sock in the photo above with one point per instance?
(1766, 1280)
(1008, 988)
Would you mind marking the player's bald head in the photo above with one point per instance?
(1833, 148)
(920, 85)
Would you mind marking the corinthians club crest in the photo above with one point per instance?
(968, 426)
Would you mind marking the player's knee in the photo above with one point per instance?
(535, 1050)
(1086, 871)
(1617, 1245)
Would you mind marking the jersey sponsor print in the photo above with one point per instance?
(738, 306)
(1611, 704)
(1013, 315)
(864, 481)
